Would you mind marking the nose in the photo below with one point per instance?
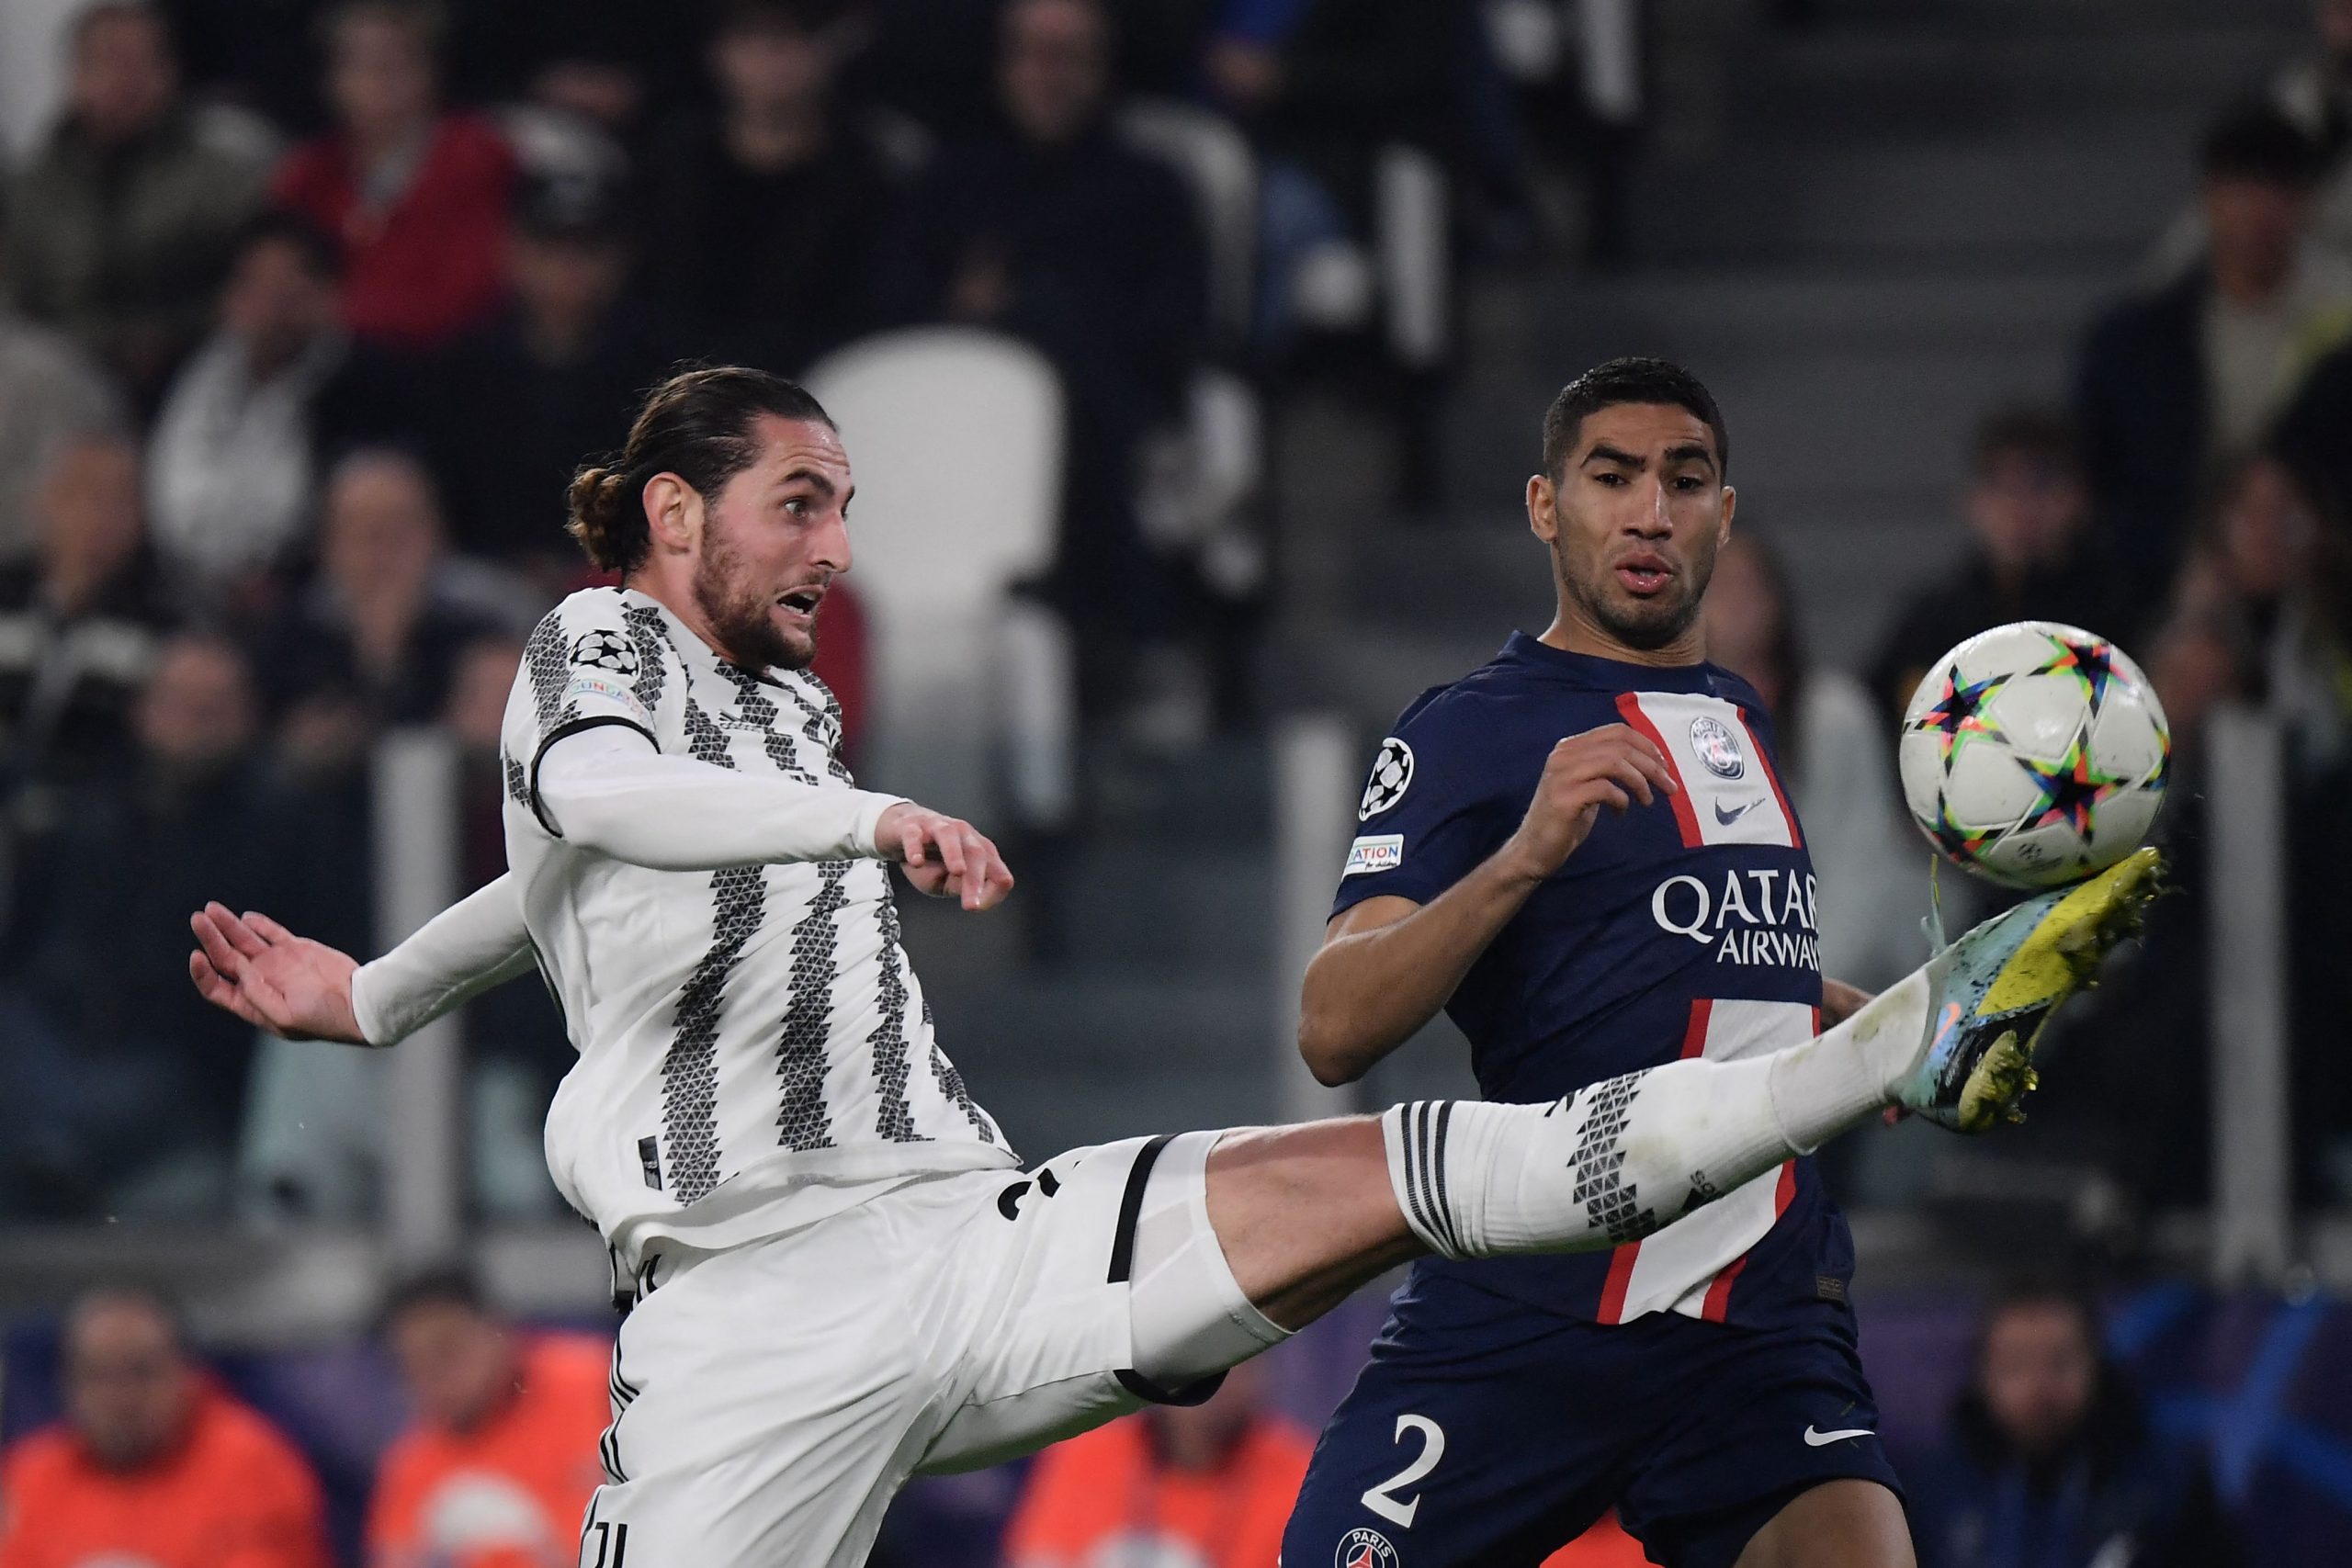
(829, 548)
(1654, 521)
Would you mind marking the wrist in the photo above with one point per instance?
(1520, 866)
(874, 834)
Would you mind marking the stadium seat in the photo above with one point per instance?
(955, 435)
(1214, 160)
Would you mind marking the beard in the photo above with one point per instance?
(741, 618)
(1646, 625)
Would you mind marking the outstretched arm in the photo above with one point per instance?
(607, 789)
(301, 989)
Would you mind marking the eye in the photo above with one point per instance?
(1613, 481)
(1689, 481)
(797, 506)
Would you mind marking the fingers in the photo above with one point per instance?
(239, 935)
(216, 989)
(270, 930)
(911, 838)
(948, 835)
(222, 957)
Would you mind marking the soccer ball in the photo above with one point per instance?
(2034, 754)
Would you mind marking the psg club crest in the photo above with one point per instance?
(605, 651)
(1364, 1548)
(1717, 748)
(1392, 776)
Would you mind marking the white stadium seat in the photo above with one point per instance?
(955, 436)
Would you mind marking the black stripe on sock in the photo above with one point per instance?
(1437, 1176)
(1122, 1237)
(1414, 1198)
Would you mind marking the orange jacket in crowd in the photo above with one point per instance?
(1096, 1491)
(510, 1493)
(234, 1494)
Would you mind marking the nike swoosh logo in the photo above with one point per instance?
(1729, 818)
(1815, 1439)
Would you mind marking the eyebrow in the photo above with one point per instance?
(1690, 451)
(813, 477)
(1604, 453)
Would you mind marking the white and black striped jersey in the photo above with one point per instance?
(756, 1052)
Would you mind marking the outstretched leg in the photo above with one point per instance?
(1307, 1214)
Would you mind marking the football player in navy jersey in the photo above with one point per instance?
(1703, 1379)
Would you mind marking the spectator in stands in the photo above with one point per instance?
(496, 1468)
(118, 1087)
(375, 639)
(523, 401)
(2028, 515)
(156, 1463)
(417, 196)
(2175, 382)
(1835, 762)
(1049, 228)
(80, 624)
(124, 220)
(251, 422)
(50, 392)
(2051, 1463)
(1210, 1483)
(765, 221)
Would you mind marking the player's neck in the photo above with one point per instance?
(1571, 632)
(679, 600)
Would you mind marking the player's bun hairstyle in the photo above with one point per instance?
(697, 425)
(1627, 381)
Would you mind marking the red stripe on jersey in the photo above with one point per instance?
(1621, 1275)
(1717, 1305)
(1685, 816)
(1695, 1039)
(1772, 777)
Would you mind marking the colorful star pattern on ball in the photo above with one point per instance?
(2092, 661)
(2071, 787)
(1959, 843)
(1959, 715)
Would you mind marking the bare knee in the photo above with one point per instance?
(1848, 1523)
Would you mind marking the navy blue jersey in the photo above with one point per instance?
(1680, 928)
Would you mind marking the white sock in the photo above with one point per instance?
(1613, 1162)
(1830, 1082)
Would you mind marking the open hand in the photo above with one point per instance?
(944, 856)
(289, 985)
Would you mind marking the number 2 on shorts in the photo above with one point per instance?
(1383, 1499)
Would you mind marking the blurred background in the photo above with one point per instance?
(1192, 355)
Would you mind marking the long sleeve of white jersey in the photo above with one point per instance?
(607, 789)
(475, 943)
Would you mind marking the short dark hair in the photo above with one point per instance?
(436, 1284)
(2038, 434)
(1636, 380)
(145, 1298)
(696, 424)
(2257, 141)
(278, 227)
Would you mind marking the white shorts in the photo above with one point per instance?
(770, 1400)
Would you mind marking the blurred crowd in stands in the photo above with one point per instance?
(308, 310)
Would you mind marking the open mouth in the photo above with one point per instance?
(802, 602)
(1644, 575)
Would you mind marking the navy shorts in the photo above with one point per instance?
(1486, 1434)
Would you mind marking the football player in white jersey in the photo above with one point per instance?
(838, 1275)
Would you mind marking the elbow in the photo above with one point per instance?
(1326, 1056)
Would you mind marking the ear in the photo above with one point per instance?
(1543, 499)
(673, 512)
(1731, 504)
